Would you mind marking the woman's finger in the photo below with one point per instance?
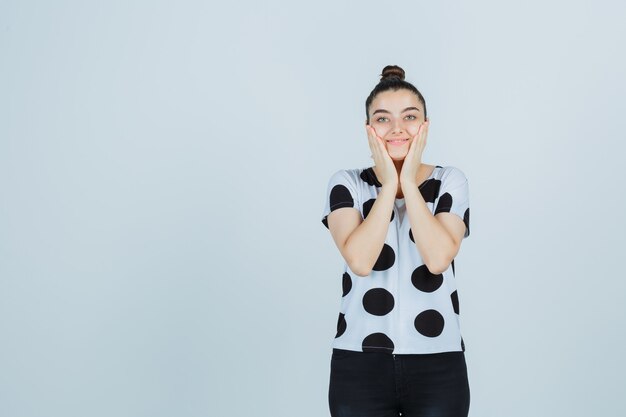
(370, 139)
(425, 133)
(375, 143)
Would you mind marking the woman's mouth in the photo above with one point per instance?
(397, 141)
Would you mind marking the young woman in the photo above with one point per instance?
(398, 225)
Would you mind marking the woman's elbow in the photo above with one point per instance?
(360, 271)
(435, 270)
(358, 268)
(438, 267)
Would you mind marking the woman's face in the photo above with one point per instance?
(396, 115)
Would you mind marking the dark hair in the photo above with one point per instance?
(392, 78)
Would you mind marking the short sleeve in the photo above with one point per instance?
(340, 192)
(454, 196)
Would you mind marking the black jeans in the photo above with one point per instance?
(378, 384)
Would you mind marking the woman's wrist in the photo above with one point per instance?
(411, 183)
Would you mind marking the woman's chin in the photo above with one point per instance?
(398, 156)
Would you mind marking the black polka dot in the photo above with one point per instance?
(424, 280)
(377, 342)
(386, 259)
(367, 207)
(411, 235)
(430, 190)
(339, 197)
(466, 221)
(429, 323)
(462, 345)
(369, 176)
(378, 301)
(444, 204)
(453, 273)
(341, 325)
(455, 301)
(346, 284)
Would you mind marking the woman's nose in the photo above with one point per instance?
(397, 126)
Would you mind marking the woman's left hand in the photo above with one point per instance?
(413, 158)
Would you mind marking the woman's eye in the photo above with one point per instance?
(413, 117)
(379, 119)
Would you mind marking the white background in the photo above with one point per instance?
(163, 169)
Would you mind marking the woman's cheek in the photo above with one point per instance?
(414, 129)
(380, 129)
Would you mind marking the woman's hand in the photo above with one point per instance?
(387, 173)
(413, 158)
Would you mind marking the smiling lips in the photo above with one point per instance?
(397, 141)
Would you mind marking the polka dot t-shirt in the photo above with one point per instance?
(400, 307)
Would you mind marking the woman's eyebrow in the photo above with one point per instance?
(387, 111)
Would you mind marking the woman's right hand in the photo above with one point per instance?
(386, 170)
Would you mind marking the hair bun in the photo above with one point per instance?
(392, 71)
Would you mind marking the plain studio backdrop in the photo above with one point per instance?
(163, 169)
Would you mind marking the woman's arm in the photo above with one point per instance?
(437, 239)
(361, 241)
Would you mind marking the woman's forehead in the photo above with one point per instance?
(395, 101)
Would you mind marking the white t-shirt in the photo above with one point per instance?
(400, 307)
(401, 208)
